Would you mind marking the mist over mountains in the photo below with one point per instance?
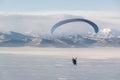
(104, 38)
(19, 29)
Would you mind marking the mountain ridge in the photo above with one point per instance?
(16, 39)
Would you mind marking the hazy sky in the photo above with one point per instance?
(37, 5)
(41, 15)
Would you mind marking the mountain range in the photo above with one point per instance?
(15, 39)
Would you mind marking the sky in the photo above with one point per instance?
(48, 5)
(41, 15)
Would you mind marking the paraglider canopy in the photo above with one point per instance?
(94, 26)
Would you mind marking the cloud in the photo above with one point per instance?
(42, 21)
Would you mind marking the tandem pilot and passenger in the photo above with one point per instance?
(74, 60)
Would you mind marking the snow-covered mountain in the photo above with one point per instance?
(11, 39)
(105, 38)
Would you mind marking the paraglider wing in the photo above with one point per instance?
(95, 27)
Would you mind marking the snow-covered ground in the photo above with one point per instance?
(55, 64)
